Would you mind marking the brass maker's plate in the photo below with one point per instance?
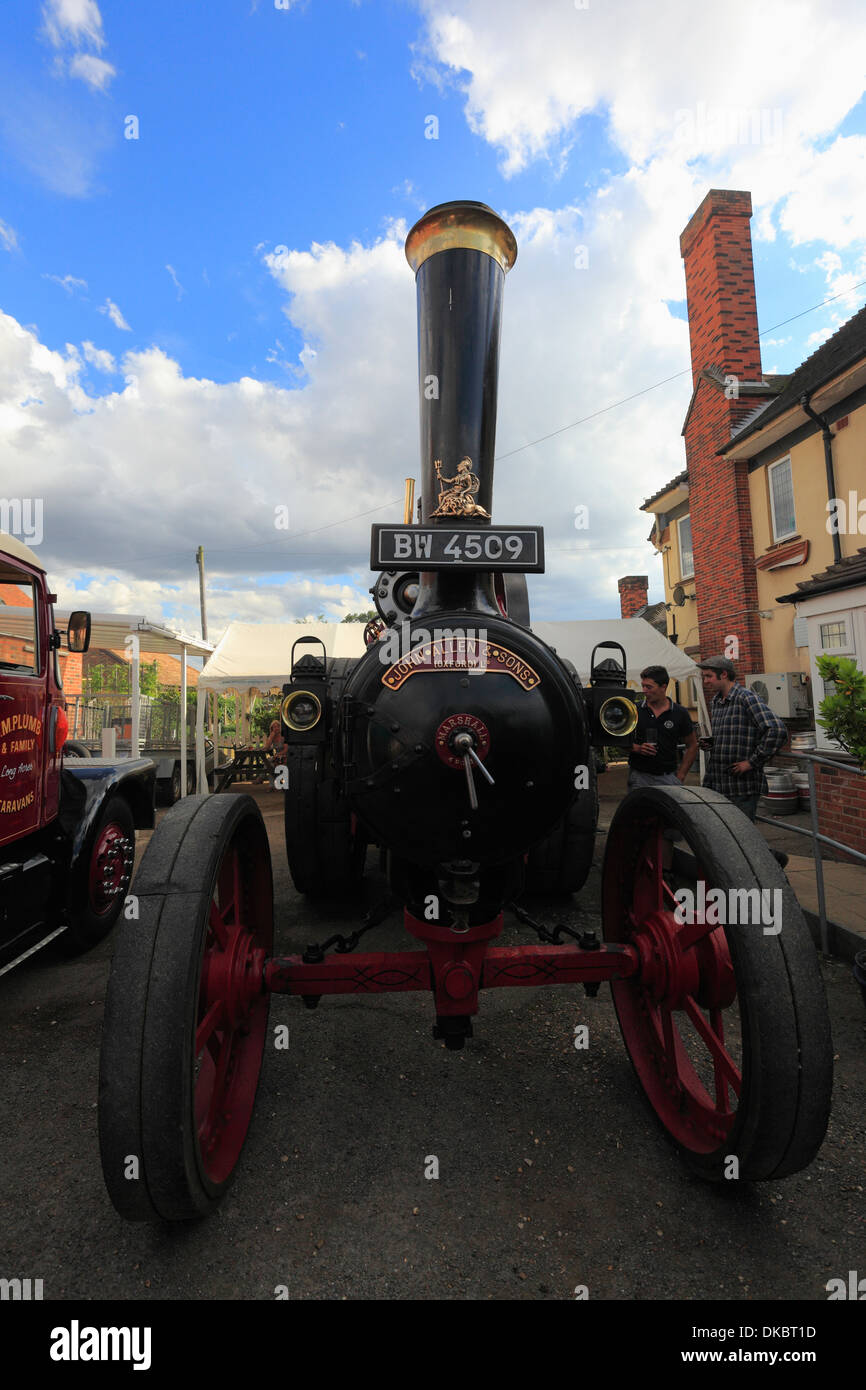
(475, 655)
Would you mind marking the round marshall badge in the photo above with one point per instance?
(458, 724)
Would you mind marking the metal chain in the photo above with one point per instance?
(587, 939)
(342, 945)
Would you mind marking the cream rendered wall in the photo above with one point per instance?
(686, 617)
(809, 478)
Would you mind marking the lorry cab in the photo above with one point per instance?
(32, 708)
(66, 839)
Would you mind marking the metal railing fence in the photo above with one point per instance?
(815, 835)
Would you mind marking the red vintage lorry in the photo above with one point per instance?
(67, 832)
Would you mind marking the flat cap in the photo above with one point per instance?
(719, 664)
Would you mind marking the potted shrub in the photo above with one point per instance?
(843, 714)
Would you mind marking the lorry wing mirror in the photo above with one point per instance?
(78, 631)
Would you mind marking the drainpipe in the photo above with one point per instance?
(828, 461)
(672, 636)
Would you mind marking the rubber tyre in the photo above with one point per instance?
(91, 915)
(76, 749)
(206, 854)
(783, 1029)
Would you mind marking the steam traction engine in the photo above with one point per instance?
(463, 746)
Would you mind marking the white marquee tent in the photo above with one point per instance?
(253, 658)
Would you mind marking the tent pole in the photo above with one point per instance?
(135, 684)
(201, 780)
(182, 720)
(701, 702)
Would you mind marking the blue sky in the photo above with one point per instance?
(167, 375)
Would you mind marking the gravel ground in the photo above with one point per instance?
(552, 1171)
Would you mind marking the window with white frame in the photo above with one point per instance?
(687, 559)
(782, 500)
(834, 634)
(835, 638)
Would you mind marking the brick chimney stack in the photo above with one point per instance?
(632, 594)
(723, 328)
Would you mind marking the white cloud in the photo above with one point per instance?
(113, 312)
(178, 286)
(98, 357)
(8, 236)
(50, 137)
(528, 73)
(828, 203)
(67, 282)
(77, 24)
(96, 72)
(73, 21)
(143, 474)
(820, 336)
(136, 477)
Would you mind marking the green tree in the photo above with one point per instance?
(267, 709)
(843, 713)
(148, 678)
(360, 617)
(95, 679)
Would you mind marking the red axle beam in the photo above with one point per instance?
(460, 973)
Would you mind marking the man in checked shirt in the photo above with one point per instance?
(746, 734)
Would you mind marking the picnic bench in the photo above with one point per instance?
(247, 765)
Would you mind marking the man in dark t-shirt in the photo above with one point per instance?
(661, 725)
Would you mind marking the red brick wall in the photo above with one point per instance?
(841, 806)
(633, 590)
(71, 672)
(723, 328)
(14, 649)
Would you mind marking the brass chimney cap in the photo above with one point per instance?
(464, 225)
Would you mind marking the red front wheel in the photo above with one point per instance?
(185, 1014)
(726, 1022)
(101, 882)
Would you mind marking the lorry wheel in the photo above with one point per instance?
(185, 1016)
(103, 881)
(726, 1020)
(168, 788)
(76, 749)
(190, 779)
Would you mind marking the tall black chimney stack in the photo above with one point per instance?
(460, 253)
